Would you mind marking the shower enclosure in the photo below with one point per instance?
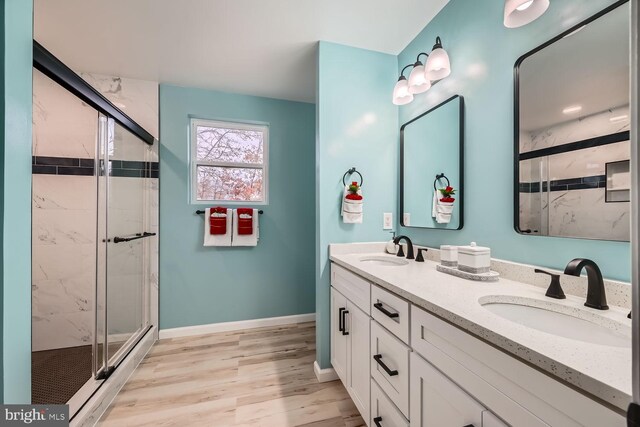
(94, 235)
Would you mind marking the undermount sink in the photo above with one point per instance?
(384, 261)
(561, 320)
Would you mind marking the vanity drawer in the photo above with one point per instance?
(383, 410)
(390, 366)
(355, 288)
(391, 311)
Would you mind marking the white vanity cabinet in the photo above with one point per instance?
(404, 366)
(383, 412)
(350, 332)
(390, 366)
(437, 401)
(339, 339)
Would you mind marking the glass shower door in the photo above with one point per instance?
(125, 266)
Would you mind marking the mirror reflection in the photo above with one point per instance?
(432, 167)
(573, 147)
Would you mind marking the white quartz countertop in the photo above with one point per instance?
(603, 371)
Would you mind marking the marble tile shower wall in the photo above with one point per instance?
(64, 212)
(577, 195)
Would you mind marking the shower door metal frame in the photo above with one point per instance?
(110, 362)
(45, 62)
(633, 415)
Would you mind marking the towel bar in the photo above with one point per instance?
(351, 172)
(439, 177)
(201, 212)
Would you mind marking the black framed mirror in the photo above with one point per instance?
(571, 132)
(432, 168)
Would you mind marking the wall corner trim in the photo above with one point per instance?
(324, 375)
(236, 326)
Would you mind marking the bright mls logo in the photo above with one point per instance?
(36, 415)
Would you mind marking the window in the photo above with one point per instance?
(229, 162)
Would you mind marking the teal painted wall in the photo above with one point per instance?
(15, 208)
(209, 285)
(483, 53)
(357, 125)
(431, 147)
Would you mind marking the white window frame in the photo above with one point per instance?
(194, 162)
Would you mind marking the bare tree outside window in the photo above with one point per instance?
(229, 161)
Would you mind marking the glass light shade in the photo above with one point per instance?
(401, 94)
(418, 81)
(521, 12)
(438, 65)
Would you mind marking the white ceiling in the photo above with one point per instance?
(257, 47)
(589, 68)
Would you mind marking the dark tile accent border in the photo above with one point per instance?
(584, 183)
(42, 165)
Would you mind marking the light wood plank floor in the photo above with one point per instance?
(260, 378)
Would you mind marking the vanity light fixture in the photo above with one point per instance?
(401, 93)
(438, 66)
(422, 76)
(418, 81)
(521, 12)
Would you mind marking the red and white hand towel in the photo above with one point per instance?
(218, 226)
(246, 231)
(352, 206)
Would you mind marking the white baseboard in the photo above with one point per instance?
(236, 326)
(324, 375)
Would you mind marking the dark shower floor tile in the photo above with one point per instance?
(58, 374)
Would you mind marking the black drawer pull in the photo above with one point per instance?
(378, 358)
(344, 322)
(377, 420)
(340, 324)
(379, 306)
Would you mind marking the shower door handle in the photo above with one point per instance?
(137, 236)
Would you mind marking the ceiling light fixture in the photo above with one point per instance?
(422, 77)
(521, 12)
(572, 109)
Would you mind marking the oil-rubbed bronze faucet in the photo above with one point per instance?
(596, 297)
(409, 246)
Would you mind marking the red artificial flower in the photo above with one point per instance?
(354, 183)
(449, 189)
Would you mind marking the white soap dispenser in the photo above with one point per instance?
(449, 256)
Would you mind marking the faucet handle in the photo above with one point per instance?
(555, 289)
(420, 258)
(400, 252)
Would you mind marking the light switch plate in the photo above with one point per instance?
(387, 221)
(406, 219)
